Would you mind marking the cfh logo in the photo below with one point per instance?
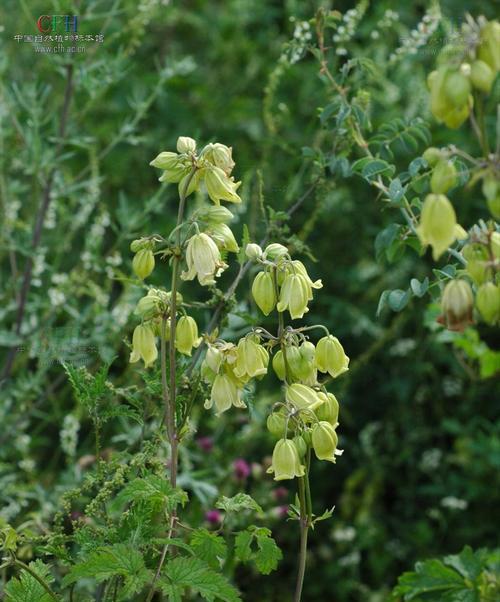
(51, 23)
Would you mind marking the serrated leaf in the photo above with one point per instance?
(181, 573)
(268, 556)
(26, 588)
(241, 501)
(256, 544)
(208, 546)
(121, 560)
(430, 576)
(243, 545)
(153, 490)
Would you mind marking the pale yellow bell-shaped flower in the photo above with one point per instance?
(252, 359)
(186, 335)
(203, 260)
(488, 302)
(224, 394)
(143, 263)
(302, 397)
(286, 462)
(437, 224)
(457, 303)
(324, 441)
(220, 187)
(331, 357)
(143, 345)
(294, 296)
(264, 293)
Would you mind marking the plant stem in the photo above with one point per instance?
(169, 392)
(171, 422)
(304, 531)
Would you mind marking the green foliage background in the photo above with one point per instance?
(420, 474)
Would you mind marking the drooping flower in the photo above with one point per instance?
(286, 462)
(220, 187)
(203, 260)
(225, 393)
(457, 303)
(302, 397)
(331, 357)
(263, 292)
(437, 224)
(324, 441)
(294, 295)
(186, 335)
(488, 302)
(252, 359)
(143, 263)
(143, 345)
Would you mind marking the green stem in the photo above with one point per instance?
(304, 531)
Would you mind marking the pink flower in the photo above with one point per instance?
(205, 443)
(241, 469)
(279, 493)
(213, 516)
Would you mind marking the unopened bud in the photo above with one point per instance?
(143, 263)
(488, 302)
(253, 251)
(186, 145)
(457, 303)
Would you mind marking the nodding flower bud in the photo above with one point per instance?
(495, 244)
(223, 235)
(488, 302)
(225, 393)
(276, 424)
(307, 366)
(220, 155)
(186, 335)
(302, 397)
(331, 357)
(477, 259)
(186, 144)
(324, 441)
(252, 359)
(213, 358)
(456, 304)
(294, 296)
(279, 365)
(482, 76)
(143, 263)
(437, 224)
(253, 251)
(488, 49)
(263, 292)
(286, 462)
(216, 214)
(444, 177)
(432, 155)
(174, 168)
(220, 187)
(143, 345)
(328, 411)
(274, 251)
(148, 306)
(301, 445)
(203, 260)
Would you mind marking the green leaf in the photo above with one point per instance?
(419, 288)
(396, 191)
(182, 573)
(268, 556)
(256, 544)
(429, 577)
(382, 303)
(122, 560)
(243, 545)
(241, 501)
(26, 588)
(376, 167)
(155, 491)
(467, 563)
(208, 546)
(398, 299)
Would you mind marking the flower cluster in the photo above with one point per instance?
(471, 63)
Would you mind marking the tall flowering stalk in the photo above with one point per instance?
(306, 417)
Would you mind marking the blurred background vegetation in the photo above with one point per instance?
(420, 474)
